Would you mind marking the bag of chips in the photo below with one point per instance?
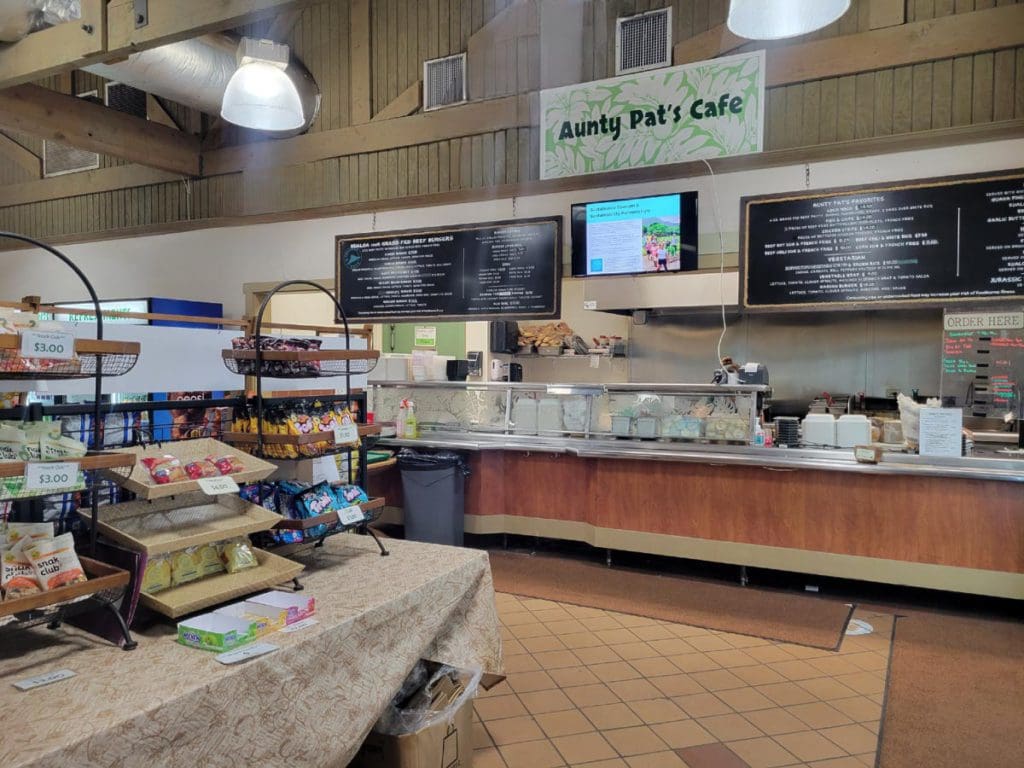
(185, 567)
(226, 465)
(164, 469)
(157, 575)
(201, 468)
(238, 555)
(209, 560)
(18, 531)
(55, 562)
(17, 576)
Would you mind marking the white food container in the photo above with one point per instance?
(646, 426)
(853, 430)
(819, 429)
(549, 415)
(622, 426)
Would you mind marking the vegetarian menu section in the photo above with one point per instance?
(934, 242)
(498, 269)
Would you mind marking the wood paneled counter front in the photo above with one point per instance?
(946, 532)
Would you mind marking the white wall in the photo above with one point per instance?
(213, 264)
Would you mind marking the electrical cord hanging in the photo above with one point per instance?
(721, 254)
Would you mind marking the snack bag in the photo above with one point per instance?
(226, 465)
(201, 468)
(349, 495)
(185, 567)
(238, 555)
(17, 576)
(164, 469)
(60, 448)
(157, 575)
(18, 531)
(208, 557)
(55, 562)
(13, 443)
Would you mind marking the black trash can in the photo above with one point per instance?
(434, 487)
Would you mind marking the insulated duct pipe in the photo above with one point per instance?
(196, 72)
(19, 17)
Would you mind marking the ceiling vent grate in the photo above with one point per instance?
(643, 41)
(125, 98)
(444, 81)
(59, 158)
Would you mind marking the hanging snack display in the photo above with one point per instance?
(287, 368)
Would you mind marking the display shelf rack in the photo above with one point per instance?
(110, 463)
(111, 358)
(306, 364)
(140, 483)
(170, 525)
(102, 578)
(345, 362)
(96, 358)
(310, 438)
(328, 518)
(213, 590)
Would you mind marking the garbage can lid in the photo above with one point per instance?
(412, 460)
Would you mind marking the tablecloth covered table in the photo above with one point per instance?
(310, 703)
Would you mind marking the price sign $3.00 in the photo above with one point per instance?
(50, 475)
(52, 345)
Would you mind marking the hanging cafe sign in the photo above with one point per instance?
(707, 109)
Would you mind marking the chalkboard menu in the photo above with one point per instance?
(919, 243)
(502, 269)
(983, 360)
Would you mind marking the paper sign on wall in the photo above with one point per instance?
(424, 336)
(706, 109)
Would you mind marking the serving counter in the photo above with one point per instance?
(310, 703)
(953, 524)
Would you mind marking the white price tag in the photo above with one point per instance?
(351, 515)
(45, 679)
(53, 345)
(245, 653)
(325, 469)
(346, 433)
(590, 305)
(50, 475)
(300, 625)
(214, 486)
(595, 361)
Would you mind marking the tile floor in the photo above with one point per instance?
(600, 689)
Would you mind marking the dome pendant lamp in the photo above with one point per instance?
(260, 94)
(777, 19)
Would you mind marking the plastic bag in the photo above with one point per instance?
(399, 720)
(910, 419)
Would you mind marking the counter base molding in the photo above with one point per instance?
(167, 704)
(958, 534)
(968, 580)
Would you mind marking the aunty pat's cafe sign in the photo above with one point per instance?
(703, 110)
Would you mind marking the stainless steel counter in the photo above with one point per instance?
(778, 459)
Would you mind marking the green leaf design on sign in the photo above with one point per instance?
(702, 110)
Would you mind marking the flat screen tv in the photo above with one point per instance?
(635, 236)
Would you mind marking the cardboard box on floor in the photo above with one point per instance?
(447, 743)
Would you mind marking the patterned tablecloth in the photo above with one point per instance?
(310, 703)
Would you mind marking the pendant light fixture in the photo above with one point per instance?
(776, 19)
(261, 95)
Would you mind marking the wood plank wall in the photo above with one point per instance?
(966, 90)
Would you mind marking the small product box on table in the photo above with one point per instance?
(298, 607)
(263, 618)
(212, 632)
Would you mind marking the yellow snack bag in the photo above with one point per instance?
(55, 562)
(238, 555)
(157, 575)
(209, 559)
(184, 567)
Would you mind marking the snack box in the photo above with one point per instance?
(263, 618)
(211, 632)
(299, 607)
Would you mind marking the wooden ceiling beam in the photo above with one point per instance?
(41, 112)
(173, 20)
(107, 32)
(24, 158)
